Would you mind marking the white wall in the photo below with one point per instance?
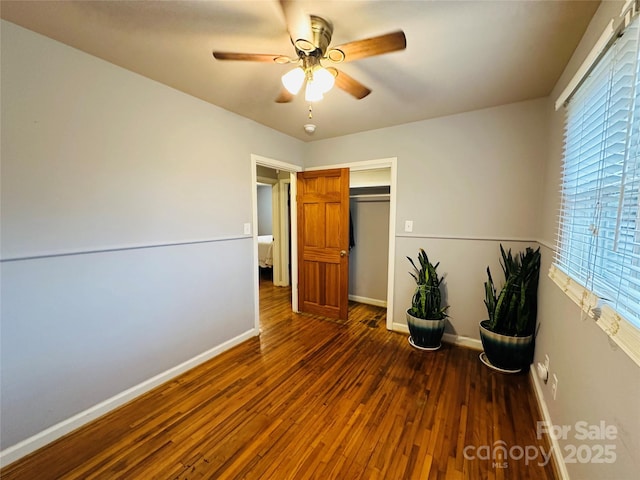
(369, 258)
(597, 381)
(265, 210)
(146, 189)
(468, 182)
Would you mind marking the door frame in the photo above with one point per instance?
(391, 163)
(282, 217)
(292, 169)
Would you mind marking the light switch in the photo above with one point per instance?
(247, 229)
(408, 226)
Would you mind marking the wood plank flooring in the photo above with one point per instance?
(312, 399)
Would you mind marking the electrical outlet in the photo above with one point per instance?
(408, 226)
(554, 386)
(545, 370)
(247, 229)
(546, 361)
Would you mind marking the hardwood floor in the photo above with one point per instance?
(313, 399)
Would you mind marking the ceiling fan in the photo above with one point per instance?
(311, 36)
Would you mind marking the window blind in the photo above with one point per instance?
(599, 240)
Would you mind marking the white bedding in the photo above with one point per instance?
(265, 251)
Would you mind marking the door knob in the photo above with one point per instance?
(343, 253)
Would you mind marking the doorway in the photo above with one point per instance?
(369, 208)
(292, 169)
(274, 225)
(274, 220)
(376, 183)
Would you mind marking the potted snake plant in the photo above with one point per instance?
(508, 334)
(426, 317)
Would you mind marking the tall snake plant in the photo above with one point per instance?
(427, 298)
(513, 311)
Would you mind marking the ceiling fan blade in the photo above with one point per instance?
(298, 25)
(349, 84)
(253, 57)
(369, 47)
(284, 96)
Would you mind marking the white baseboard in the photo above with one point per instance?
(368, 301)
(468, 342)
(31, 444)
(447, 337)
(558, 461)
(400, 328)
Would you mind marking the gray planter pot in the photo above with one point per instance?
(425, 334)
(507, 353)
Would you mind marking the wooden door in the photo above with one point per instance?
(323, 242)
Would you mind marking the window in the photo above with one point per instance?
(598, 253)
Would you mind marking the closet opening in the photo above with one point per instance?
(369, 206)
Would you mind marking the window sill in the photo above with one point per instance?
(624, 334)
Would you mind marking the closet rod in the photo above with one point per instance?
(372, 197)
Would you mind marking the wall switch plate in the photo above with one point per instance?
(408, 226)
(247, 229)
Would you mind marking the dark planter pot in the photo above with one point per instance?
(505, 352)
(425, 334)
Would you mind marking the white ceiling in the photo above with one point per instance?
(460, 56)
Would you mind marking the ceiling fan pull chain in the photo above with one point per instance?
(310, 112)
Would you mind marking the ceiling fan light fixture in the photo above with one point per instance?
(293, 80)
(323, 79)
(313, 92)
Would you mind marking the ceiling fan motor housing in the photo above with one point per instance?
(321, 30)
